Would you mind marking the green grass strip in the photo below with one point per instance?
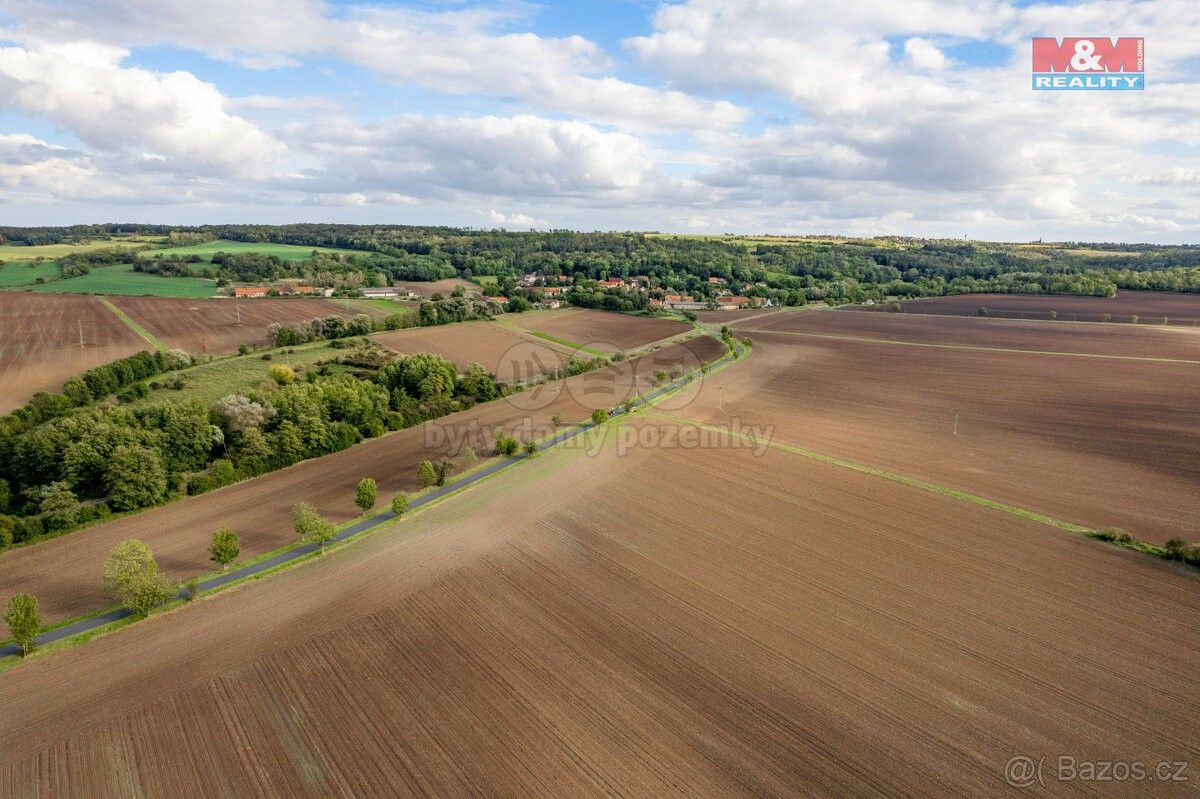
(566, 343)
(134, 326)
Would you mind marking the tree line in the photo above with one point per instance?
(69, 459)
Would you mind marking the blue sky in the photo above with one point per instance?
(863, 117)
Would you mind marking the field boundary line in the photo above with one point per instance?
(930, 487)
(971, 347)
(132, 325)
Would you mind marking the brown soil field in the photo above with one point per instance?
(507, 354)
(1102, 442)
(211, 326)
(39, 342)
(1149, 306)
(803, 631)
(598, 330)
(1140, 342)
(64, 573)
(444, 287)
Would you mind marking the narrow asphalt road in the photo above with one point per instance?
(95, 622)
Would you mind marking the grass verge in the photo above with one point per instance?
(132, 325)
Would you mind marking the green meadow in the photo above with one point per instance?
(286, 252)
(121, 279)
(19, 273)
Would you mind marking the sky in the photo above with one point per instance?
(854, 117)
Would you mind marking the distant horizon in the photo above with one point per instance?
(644, 231)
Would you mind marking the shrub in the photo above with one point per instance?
(443, 469)
(266, 356)
(225, 547)
(505, 444)
(531, 448)
(366, 493)
(243, 349)
(1177, 548)
(400, 504)
(426, 474)
(191, 588)
(281, 374)
(599, 416)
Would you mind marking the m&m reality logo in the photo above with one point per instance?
(1089, 63)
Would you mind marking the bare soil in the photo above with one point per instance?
(1150, 307)
(40, 347)
(1103, 442)
(730, 626)
(598, 330)
(507, 354)
(211, 325)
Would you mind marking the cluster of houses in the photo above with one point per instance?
(725, 300)
(549, 295)
(281, 290)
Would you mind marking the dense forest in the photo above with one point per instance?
(787, 271)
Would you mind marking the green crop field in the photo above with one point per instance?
(16, 252)
(121, 279)
(287, 252)
(19, 273)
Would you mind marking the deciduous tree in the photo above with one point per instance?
(225, 547)
(23, 621)
(365, 494)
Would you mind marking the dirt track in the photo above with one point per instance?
(64, 573)
(39, 342)
(800, 631)
(1106, 443)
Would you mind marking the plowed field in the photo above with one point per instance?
(598, 330)
(39, 342)
(507, 354)
(804, 631)
(1107, 442)
(211, 326)
(1150, 307)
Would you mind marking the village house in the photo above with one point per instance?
(732, 303)
(250, 291)
(612, 283)
(386, 291)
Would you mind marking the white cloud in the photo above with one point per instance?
(455, 51)
(113, 108)
(514, 219)
(924, 54)
(509, 156)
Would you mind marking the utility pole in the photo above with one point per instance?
(81, 344)
(956, 423)
(238, 308)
